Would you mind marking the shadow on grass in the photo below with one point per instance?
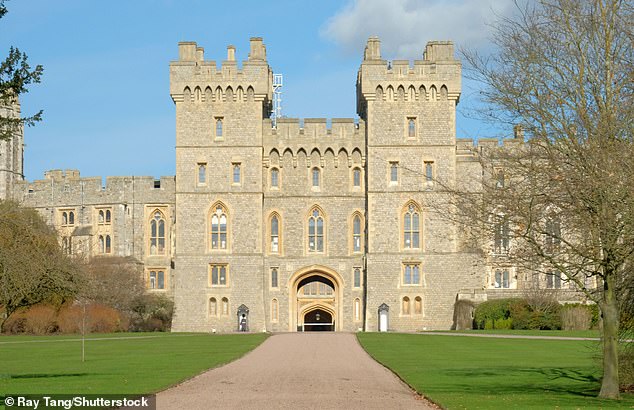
(499, 380)
(41, 375)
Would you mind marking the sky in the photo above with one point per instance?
(105, 88)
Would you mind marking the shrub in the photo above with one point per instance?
(41, 320)
(576, 317)
(535, 316)
(104, 319)
(492, 311)
(69, 319)
(152, 313)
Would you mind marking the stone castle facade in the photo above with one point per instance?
(307, 224)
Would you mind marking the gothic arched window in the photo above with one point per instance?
(411, 227)
(316, 231)
(157, 233)
(219, 228)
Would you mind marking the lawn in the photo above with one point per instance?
(488, 373)
(565, 333)
(121, 363)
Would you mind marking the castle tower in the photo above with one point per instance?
(410, 110)
(11, 154)
(219, 120)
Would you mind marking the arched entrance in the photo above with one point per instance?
(316, 293)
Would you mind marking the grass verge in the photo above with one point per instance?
(485, 373)
(121, 363)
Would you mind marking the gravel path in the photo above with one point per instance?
(297, 370)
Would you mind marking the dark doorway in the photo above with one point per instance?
(318, 320)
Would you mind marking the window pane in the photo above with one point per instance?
(223, 275)
(214, 275)
(315, 177)
(108, 243)
(223, 240)
(161, 280)
(505, 279)
(498, 279)
(161, 245)
(356, 177)
(274, 226)
(408, 275)
(394, 172)
(161, 229)
(356, 225)
(415, 241)
(202, 171)
(219, 128)
(357, 278)
(236, 173)
(71, 218)
(108, 216)
(274, 177)
(408, 222)
(411, 128)
(320, 243)
(274, 278)
(320, 226)
(153, 228)
(152, 280)
(415, 222)
(101, 217)
(416, 275)
(428, 171)
(357, 243)
(408, 240)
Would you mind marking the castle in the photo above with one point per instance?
(309, 224)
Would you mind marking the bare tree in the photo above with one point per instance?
(33, 268)
(113, 281)
(559, 199)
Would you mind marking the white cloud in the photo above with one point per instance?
(404, 26)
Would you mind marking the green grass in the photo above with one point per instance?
(566, 333)
(140, 363)
(488, 373)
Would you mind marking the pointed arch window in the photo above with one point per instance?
(411, 127)
(108, 244)
(411, 227)
(101, 217)
(357, 278)
(219, 228)
(108, 216)
(64, 218)
(101, 244)
(356, 233)
(274, 278)
(71, 218)
(357, 309)
(218, 127)
(225, 307)
(316, 231)
(157, 233)
(275, 234)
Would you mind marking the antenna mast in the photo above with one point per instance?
(277, 98)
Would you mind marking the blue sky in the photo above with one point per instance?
(105, 89)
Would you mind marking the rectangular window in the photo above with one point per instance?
(429, 171)
(356, 177)
(274, 277)
(501, 236)
(237, 176)
(393, 172)
(357, 277)
(411, 127)
(156, 279)
(275, 178)
(411, 274)
(218, 121)
(502, 279)
(218, 275)
(202, 173)
(315, 174)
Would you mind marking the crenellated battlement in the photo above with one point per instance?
(67, 188)
(315, 137)
(192, 78)
(436, 77)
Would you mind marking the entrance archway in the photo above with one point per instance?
(315, 299)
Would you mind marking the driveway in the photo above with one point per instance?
(296, 371)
